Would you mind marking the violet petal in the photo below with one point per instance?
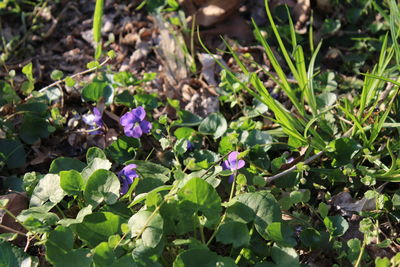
(145, 126)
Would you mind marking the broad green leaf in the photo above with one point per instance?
(98, 226)
(48, 189)
(101, 186)
(66, 164)
(257, 137)
(79, 217)
(202, 257)
(144, 256)
(235, 233)
(396, 200)
(123, 149)
(198, 195)
(345, 149)
(285, 256)
(148, 226)
(71, 182)
(98, 90)
(39, 219)
(12, 153)
(151, 175)
(103, 255)
(259, 207)
(94, 165)
(33, 128)
(300, 196)
(94, 152)
(11, 256)
(214, 124)
(187, 118)
(281, 233)
(336, 225)
(184, 132)
(56, 75)
(323, 209)
(60, 252)
(310, 237)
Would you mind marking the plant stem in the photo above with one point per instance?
(361, 254)
(243, 249)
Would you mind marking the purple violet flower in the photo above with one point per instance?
(189, 145)
(126, 176)
(233, 164)
(94, 121)
(134, 123)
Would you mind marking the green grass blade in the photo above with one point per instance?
(97, 21)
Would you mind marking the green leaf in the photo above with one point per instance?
(235, 233)
(94, 165)
(148, 225)
(300, 196)
(257, 137)
(184, 132)
(101, 186)
(79, 217)
(60, 252)
(66, 164)
(396, 200)
(11, 256)
(198, 195)
(144, 256)
(345, 149)
(70, 82)
(71, 182)
(56, 75)
(98, 226)
(48, 188)
(382, 262)
(310, 237)
(7, 94)
(202, 257)
(336, 225)
(33, 128)
(214, 124)
(187, 118)
(323, 209)
(125, 98)
(97, 91)
(285, 256)
(152, 175)
(259, 207)
(281, 233)
(123, 149)
(94, 152)
(12, 153)
(103, 256)
(39, 219)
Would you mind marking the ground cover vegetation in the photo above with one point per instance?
(154, 133)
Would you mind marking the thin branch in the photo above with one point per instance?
(293, 168)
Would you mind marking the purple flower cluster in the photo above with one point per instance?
(126, 176)
(94, 121)
(233, 164)
(134, 123)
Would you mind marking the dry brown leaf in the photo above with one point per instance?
(171, 55)
(301, 13)
(17, 202)
(208, 13)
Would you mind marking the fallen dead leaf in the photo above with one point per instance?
(17, 202)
